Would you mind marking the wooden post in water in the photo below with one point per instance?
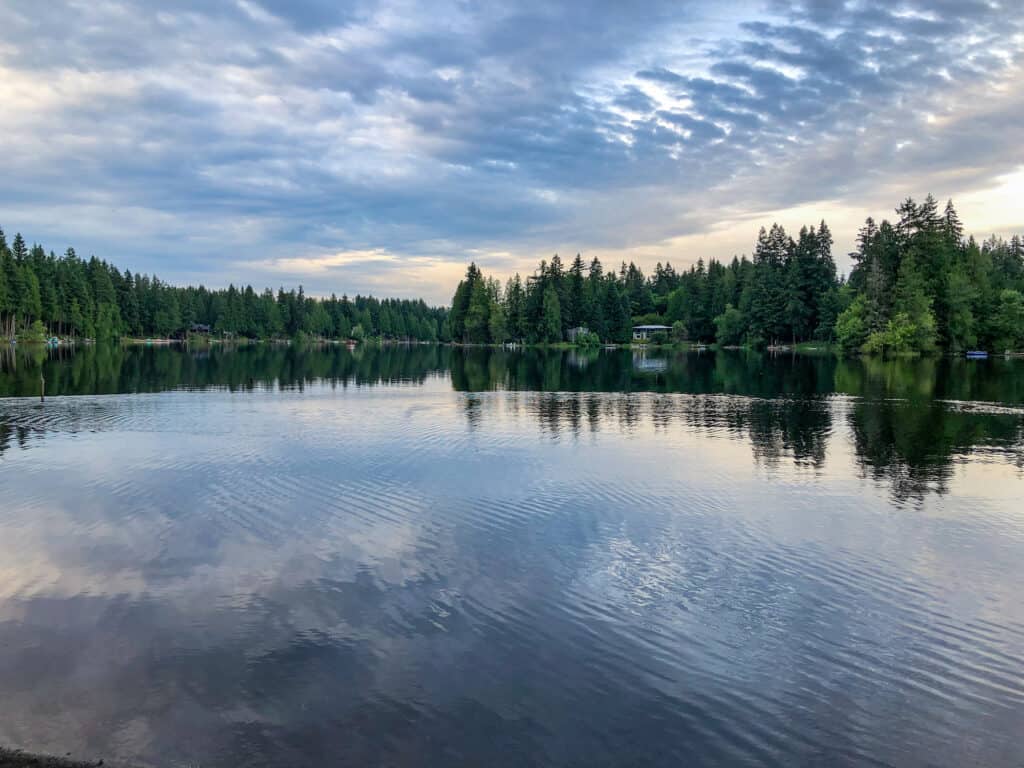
(42, 388)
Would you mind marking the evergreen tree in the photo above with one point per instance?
(19, 250)
(616, 313)
(574, 311)
(461, 300)
(477, 323)
(1009, 321)
(594, 300)
(515, 308)
(551, 330)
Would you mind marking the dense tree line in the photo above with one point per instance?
(915, 285)
(544, 307)
(919, 284)
(69, 296)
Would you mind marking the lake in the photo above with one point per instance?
(271, 556)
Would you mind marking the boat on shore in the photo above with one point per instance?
(977, 354)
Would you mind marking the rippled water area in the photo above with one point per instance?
(424, 556)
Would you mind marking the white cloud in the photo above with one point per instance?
(224, 143)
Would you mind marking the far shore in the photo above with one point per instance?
(15, 758)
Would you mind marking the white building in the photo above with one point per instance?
(643, 332)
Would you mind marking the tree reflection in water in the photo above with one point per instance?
(909, 420)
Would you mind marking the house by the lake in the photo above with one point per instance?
(644, 332)
(577, 332)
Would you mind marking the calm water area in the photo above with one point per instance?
(407, 556)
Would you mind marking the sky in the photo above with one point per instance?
(379, 146)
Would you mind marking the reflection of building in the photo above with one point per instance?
(643, 332)
(641, 362)
(580, 360)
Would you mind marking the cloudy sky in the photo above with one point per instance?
(378, 145)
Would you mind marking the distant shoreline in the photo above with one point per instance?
(15, 758)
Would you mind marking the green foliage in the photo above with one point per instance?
(35, 333)
(651, 318)
(900, 335)
(478, 314)
(93, 299)
(108, 322)
(853, 326)
(658, 338)
(551, 330)
(915, 285)
(679, 332)
(616, 313)
(498, 324)
(913, 321)
(1008, 322)
(730, 326)
(961, 324)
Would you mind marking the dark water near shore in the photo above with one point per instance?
(425, 556)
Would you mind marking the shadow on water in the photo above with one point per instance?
(909, 420)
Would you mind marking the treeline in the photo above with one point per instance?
(915, 285)
(545, 307)
(790, 290)
(918, 284)
(42, 293)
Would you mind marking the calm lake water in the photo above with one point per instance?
(426, 556)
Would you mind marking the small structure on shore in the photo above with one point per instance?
(644, 332)
(199, 328)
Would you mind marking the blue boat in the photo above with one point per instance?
(977, 354)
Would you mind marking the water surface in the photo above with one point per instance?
(423, 556)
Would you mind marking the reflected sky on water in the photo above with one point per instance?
(272, 556)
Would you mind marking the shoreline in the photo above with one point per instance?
(16, 758)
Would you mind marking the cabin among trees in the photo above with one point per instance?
(916, 285)
(644, 332)
(577, 334)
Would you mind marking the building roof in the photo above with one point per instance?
(651, 328)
